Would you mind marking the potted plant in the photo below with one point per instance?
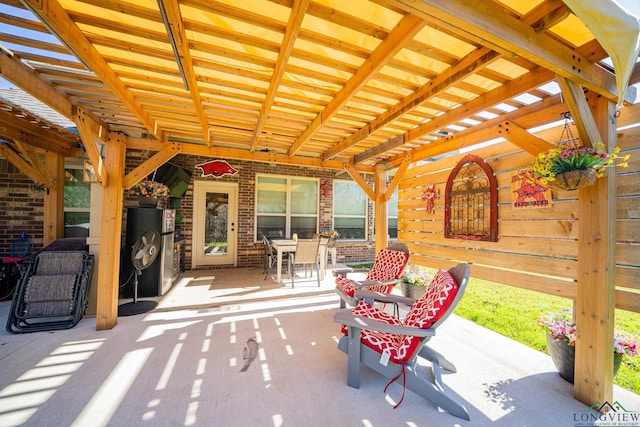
(570, 166)
(414, 284)
(331, 234)
(561, 341)
(148, 192)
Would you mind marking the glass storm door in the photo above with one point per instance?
(215, 220)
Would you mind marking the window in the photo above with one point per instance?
(392, 215)
(286, 205)
(77, 201)
(349, 210)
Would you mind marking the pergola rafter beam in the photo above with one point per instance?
(158, 159)
(551, 106)
(547, 14)
(520, 137)
(53, 15)
(298, 11)
(397, 38)
(513, 88)
(14, 70)
(91, 141)
(469, 64)
(178, 38)
(490, 25)
(19, 162)
(16, 130)
(580, 111)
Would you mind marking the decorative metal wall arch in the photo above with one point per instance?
(471, 201)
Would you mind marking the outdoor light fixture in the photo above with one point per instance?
(172, 40)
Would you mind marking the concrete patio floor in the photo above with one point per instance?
(185, 364)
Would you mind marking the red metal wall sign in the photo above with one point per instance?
(216, 168)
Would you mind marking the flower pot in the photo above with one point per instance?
(412, 291)
(147, 202)
(573, 180)
(563, 357)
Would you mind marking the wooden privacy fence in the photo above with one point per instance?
(536, 248)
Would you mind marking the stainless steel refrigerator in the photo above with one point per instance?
(156, 279)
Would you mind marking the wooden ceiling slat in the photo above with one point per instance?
(126, 8)
(509, 90)
(99, 23)
(141, 66)
(256, 90)
(474, 61)
(247, 16)
(491, 25)
(35, 44)
(293, 27)
(177, 33)
(153, 52)
(406, 29)
(27, 24)
(41, 59)
(55, 17)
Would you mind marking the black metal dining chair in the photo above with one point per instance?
(270, 257)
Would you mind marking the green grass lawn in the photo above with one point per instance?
(512, 312)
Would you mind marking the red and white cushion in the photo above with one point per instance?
(389, 265)
(423, 313)
(349, 288)
(379, 341)
(440, 293)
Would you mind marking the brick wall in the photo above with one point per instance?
(21, 208)
(250, 253)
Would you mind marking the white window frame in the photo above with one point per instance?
(77, 166)
(393, 216)
(365, 215)
(288, 214)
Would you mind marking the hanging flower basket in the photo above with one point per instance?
(149, 189)
(573, 180)
(570, 165)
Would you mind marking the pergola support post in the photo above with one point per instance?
(595, 300)
(110, 233)
(381, 208)
(54, 198)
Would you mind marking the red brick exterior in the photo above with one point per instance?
(21, 204)
(21, 208)
(250, 252)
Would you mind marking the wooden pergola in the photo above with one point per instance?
(361, 86)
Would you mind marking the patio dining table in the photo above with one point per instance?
(288, 245)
